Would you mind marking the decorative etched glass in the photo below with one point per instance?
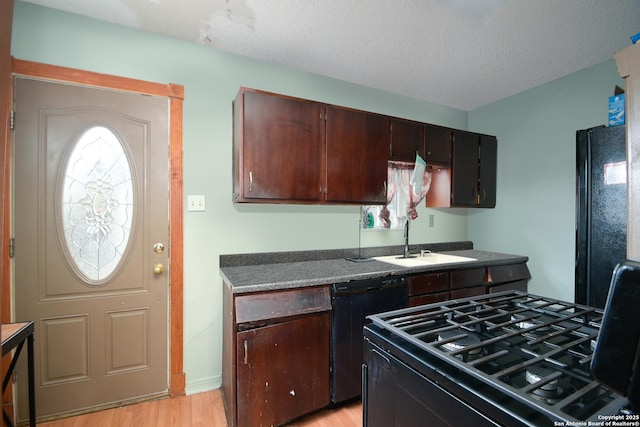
(97, 204)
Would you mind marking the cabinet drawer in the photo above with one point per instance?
(428, 298)
(282, 304)
(468, 292)
(508, 273)
(467, 278)
(428, 283)
(520, 285)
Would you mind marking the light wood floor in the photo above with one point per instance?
(198, 410)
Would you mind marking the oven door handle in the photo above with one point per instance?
(365, 371)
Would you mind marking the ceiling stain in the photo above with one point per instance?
(235, 15)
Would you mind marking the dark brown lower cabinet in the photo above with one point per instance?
(275, 362)
(468, 283)
(511, 277)
(283, 370)
(276, 345)
(428, 288)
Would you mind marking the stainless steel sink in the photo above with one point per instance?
(432, 258)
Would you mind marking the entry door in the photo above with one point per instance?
(91, 228)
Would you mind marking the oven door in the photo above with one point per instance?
(616, 358)
(404, 386)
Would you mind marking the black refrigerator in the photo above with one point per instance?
(601, 211)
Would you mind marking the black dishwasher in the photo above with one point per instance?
(351, 303)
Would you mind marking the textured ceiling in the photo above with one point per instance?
(458, 53)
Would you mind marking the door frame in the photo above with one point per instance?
(175, 93)
(6, 23)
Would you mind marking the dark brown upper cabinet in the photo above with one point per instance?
(473, 177)
(407, 139)
(437, 142)
(357, 156)
(488, 171)
(278, 148)
(432, 142)
(291, 150)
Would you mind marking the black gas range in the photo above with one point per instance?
(508, 358)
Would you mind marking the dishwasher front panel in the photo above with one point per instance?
(350, 307)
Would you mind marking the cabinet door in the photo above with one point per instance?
(488, 171)
(279, 143)
(437, 141)
(407, 139)
(465, 169)
(357, 155)
(283, 371)
(468, 278)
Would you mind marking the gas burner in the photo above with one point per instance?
(467, 340)
(524, 323)
(550, 392)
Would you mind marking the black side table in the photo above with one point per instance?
(13, 337)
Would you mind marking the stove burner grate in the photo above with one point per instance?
(535, 349)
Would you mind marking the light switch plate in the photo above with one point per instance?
(195, 203)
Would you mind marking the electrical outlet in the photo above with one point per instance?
(431, 219)
(195, 203)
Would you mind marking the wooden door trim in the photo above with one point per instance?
(175, 93)
(6, 97)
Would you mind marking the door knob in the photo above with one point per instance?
(158, 269)
(158, 248)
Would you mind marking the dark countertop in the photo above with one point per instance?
(286, 275)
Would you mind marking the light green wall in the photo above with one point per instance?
(535, 213)
(536, 161)
(211, 79)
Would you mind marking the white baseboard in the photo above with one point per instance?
(203, 384)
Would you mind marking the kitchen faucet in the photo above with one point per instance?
(406, 240)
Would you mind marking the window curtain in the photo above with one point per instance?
(403, 196)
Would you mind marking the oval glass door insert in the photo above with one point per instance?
(97, 204)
